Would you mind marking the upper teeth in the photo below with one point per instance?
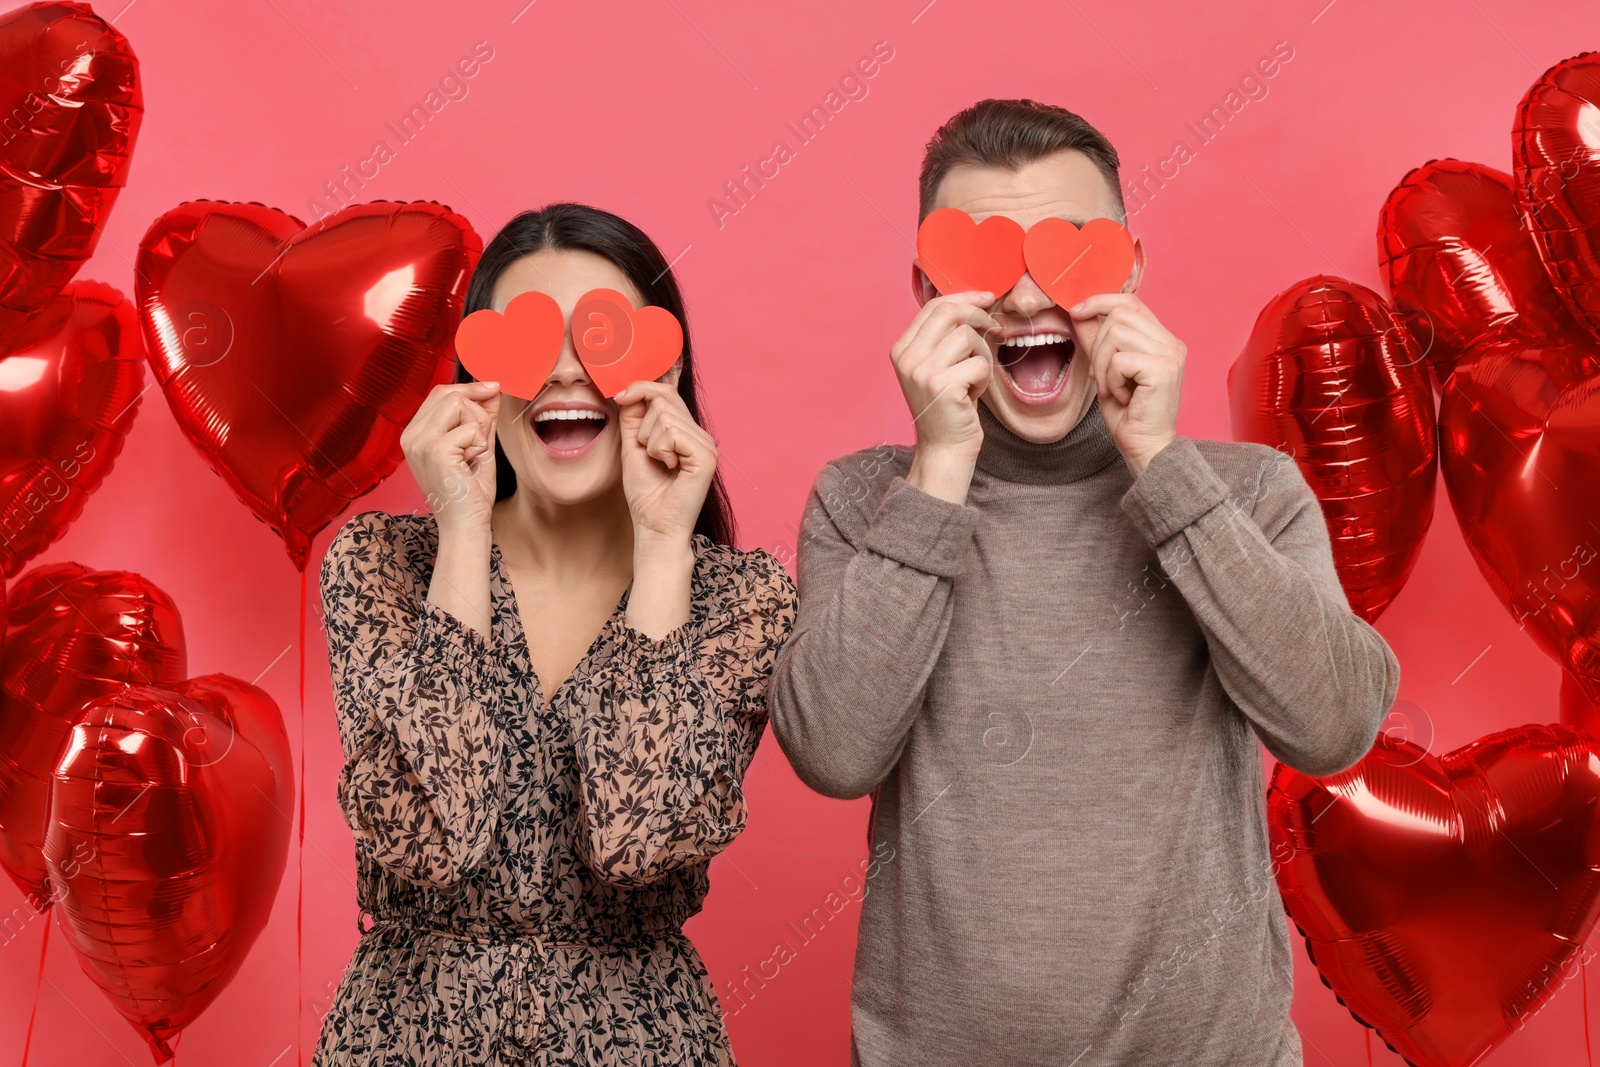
(568, 413)
(1029, 340)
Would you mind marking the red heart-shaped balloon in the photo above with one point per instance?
(293, 357)
(1331, 376)
(619, 344)
(960, 255)
(168, 831)
(1441, 898)
(72, 635)
(69, 90)
(66, 403)
(1519, 420)
(1071, 264)
(1555, 148)
(1430, 233)
(519, 348)
(1577, 710)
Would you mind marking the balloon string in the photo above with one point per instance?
(300, 859)
(1367, 1033)
(1583, 972)
(38, 984)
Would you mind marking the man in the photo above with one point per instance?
(1046, 640)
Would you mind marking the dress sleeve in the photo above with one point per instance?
(1314, 679)
(417, 695)
(667, 730)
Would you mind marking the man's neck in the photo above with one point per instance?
(1087, 449)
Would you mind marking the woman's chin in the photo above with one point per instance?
(595, 474)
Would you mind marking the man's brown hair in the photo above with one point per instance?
(1011, 134)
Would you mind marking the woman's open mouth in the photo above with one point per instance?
(567, 432)
(1035, 365)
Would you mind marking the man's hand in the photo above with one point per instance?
(944, 364)
(1137, 367)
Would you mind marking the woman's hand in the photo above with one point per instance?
(667, 464)
(668, 461)
(449, 446)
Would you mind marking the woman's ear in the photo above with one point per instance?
(1138, 267)
(921, 287)
(674, 372)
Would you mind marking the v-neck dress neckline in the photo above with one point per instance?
(504, 595)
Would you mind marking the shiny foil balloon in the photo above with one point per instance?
(1444, 899)
(72, 635)
(69, 91)
(1333, 378)
(1519, 420)
(1555, 149)
(169, 826)
(294, 356)
(1578, 712)
(66, 404)
(1520, 445)
(1456, 261)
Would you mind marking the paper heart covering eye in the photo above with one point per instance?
(960, 255)
(517, 348)
(619, 344)
(1071, 264)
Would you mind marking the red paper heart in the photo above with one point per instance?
(168, 831)
(294, 357)
(619, 344)
(1519, 420)
(66, 404)
(1556, 155)
(959, 255)
(1072, 264)
(519, 348)
(70, 89)
(1441, 898)
(73, 634)
(1333, 378)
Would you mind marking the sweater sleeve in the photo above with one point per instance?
(666, 733)
(416, 692)
(874, 611)
(1313, 678)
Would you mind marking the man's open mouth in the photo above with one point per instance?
(568, 430)
(1036, 364)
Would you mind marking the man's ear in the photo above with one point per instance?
(921, 287)
(1138, 267)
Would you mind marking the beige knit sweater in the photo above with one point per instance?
(1054, 695)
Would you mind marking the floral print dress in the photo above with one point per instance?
(525, 870)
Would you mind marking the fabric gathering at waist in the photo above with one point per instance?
(554, 935)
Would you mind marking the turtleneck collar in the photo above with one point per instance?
(1087, 449)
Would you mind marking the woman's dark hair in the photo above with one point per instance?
(579, 227)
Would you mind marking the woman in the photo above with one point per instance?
(548, 691)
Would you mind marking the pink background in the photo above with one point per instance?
(647, 109)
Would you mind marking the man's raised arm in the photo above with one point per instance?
(875, 603)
